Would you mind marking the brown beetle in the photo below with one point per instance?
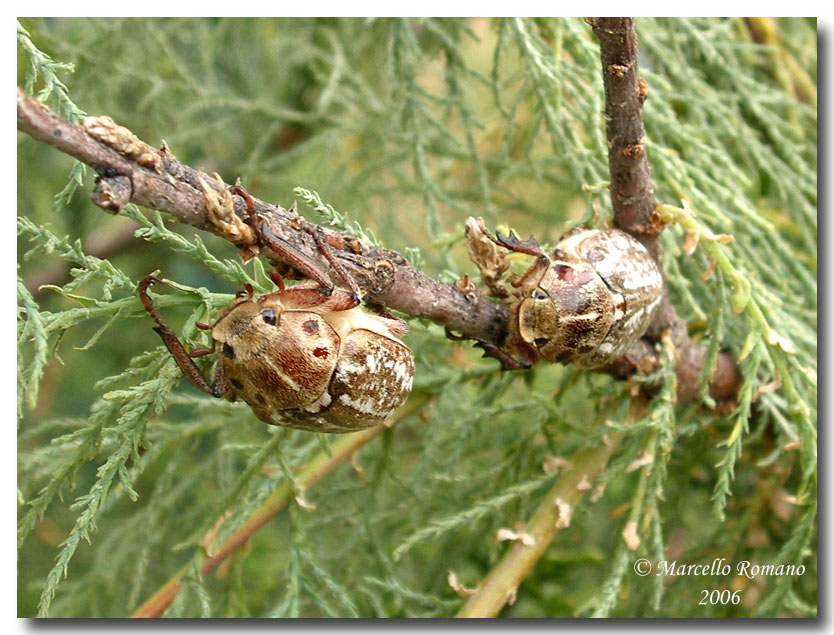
(305, 357)
(302, 358)
(586, 302)
(591, 299)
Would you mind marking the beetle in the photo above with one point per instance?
(301, 357)
(586, 302)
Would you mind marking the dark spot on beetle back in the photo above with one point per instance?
(228, 351)
(236, 384)
(321, 352)
(311, 327)
(564, 273)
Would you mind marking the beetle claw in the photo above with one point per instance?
(508, 362)
(514, 243)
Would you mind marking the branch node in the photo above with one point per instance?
(221, 212)
(643, 87)
(112, 193)
(123, 141)
(618, 69)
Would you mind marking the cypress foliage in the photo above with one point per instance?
(397, 130)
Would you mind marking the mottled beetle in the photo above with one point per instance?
(303, 357)
(586, 302)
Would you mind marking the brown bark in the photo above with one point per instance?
(384, 276)
(633, 200)
(631, 187)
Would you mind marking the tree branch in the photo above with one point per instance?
(157, 180)
(631, 188)
(384, 276)
(633, 200)
(552, 514)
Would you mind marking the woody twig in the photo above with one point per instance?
(633, 200)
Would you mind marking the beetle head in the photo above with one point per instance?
(569, 312)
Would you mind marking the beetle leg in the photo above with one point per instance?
(200, 352)
(342, 300)
(250, 205)
(295, 258)
(529, 247)
(290, 254)
(514, 243)
(534, 272)
(508, 362)
(284, 249)
(222, 386)
(277, 280)
(174, 346)
(304, 296)
(327, 252)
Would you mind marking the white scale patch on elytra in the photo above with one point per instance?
(606, 348)
(643, 278)
(401, 370)
(406, 380)
(319, 404)
(378, 378)
(621, 242)
(611, 344)
(349, 368)
(578, 318)
(367, 406)
(641, 314)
